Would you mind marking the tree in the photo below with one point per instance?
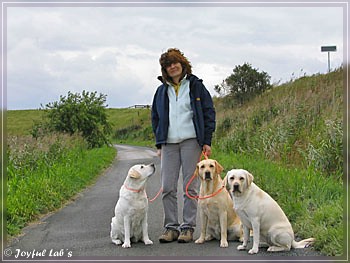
(80, 113)
(245, 83)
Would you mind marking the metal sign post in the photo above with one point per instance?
(329, 49)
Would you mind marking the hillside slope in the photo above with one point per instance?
(298, 123)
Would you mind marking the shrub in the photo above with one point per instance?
(78, 113)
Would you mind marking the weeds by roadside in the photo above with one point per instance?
(43, 174)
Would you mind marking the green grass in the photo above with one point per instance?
(121, 118)
(45, 180)
(131, 126)
(20, 122)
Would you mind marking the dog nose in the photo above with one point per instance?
(152, 164)
(236, 187)
(207, 176)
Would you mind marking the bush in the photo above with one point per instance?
(78, 113)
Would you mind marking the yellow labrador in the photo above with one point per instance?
(261, 213)
(218, 217)
(130, 220)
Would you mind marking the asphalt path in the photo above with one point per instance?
(80, 230)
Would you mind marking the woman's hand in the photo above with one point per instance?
(207, 150)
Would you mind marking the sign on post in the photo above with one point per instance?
(329, 49)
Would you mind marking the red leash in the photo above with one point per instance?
(154, 198)
(188, 184)
(191, 180)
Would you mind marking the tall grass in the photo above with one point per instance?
(43, 174)
(298, 123)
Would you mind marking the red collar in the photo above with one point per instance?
(134, 190)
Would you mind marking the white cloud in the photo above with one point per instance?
(115, 50)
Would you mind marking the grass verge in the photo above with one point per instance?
(48, 186)
(312, 202)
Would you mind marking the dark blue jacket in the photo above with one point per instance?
(201, 104)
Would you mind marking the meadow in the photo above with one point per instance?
(290, 138)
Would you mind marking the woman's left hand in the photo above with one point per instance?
(207, 150)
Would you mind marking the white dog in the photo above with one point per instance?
(259, 212)
(130, 220)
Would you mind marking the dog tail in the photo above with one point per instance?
(303, 243)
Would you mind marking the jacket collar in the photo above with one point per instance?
(190, 77)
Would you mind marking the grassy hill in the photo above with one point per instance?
(289, 138)
(298, 123)
(20, 122)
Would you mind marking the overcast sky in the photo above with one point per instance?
(115, 50)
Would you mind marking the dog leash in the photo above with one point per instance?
(154, 198)
(193, 177)
(188, 184)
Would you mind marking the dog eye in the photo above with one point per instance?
(241, 179)
(211, 166)
(141, 166)
(203, 166)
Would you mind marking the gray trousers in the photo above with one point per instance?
(175, 156)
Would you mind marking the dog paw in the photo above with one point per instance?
(223, 243)
(117, 242)
(199, 241)
(148, 242)
(126, 245)
(208, 238)
(241, 247)
(253, 251)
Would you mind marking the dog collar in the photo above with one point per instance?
(213, 194)
(133, 190)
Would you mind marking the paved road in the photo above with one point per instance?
(80, 230)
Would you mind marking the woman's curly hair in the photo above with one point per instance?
(174, 55)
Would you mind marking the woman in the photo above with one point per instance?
(183, 121)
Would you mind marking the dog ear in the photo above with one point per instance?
(196, 172)
(134, 174)
(218, 168)
(226, 183)
(250, 178)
